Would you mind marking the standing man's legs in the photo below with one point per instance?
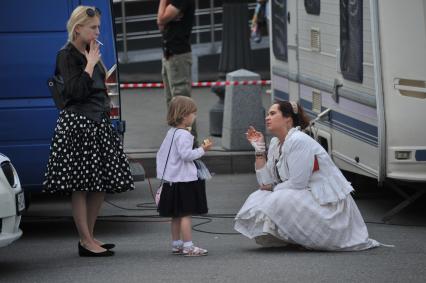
(166, 82)
(177, 79)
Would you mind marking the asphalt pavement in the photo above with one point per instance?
(47, 252)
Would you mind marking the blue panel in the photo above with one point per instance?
(357, 124)
(421, 155)
(27, 125)
(25, 139)
(25, 75)
(30, 162)
(280, 95)
(30, 15)
(348, 125)
(26, 103)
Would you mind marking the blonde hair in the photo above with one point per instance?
(79, 17)
(180, 107)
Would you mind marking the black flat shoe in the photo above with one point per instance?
(108, 246)
(83, 252)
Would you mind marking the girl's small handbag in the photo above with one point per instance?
(158, 194)
(203, 172)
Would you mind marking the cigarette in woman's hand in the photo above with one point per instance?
(100, 43)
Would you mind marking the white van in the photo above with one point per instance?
(12, 202)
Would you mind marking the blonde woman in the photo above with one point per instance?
(86, 158)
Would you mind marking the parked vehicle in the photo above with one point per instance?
(12, 202)
(29, 42)
(356, 63)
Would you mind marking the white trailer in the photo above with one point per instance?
(364, 63)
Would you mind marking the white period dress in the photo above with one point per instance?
(310, 208)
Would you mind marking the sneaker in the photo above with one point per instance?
(194, 251)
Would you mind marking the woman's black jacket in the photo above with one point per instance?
(83, 94)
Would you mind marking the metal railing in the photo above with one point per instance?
(212, 27)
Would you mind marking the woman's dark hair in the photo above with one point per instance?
(299, 119)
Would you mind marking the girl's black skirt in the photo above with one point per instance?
(86, 156)
(183, 199)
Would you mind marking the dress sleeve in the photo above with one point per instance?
(184, 142)
(300, 161)
(77, 83)
(264, 176)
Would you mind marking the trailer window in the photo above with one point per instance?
(279, 29)
(313, 7)
(351, 40)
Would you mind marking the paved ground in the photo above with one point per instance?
(48, 250)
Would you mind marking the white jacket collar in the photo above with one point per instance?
(292, 130)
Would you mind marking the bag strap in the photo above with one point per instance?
(168, 154)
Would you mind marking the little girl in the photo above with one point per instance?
(183, 194)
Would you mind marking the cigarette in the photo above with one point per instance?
(100, 43)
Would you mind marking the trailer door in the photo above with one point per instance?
(403, 50)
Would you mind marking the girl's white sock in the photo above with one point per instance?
(188, 244)
(177, 243)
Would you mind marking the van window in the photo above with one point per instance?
(279, 29)
(313, 7)
(351, 40)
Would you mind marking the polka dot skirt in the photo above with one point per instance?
(86, 156)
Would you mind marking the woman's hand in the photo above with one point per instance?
(93, 56)
(256, 139)
(253, 135)
(268, 187)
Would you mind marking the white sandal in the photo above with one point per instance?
(178, 250)
(194, 251)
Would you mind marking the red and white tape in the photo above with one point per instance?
(196, 84)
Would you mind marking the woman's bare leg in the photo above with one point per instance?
(94, 204)
(79, 211)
